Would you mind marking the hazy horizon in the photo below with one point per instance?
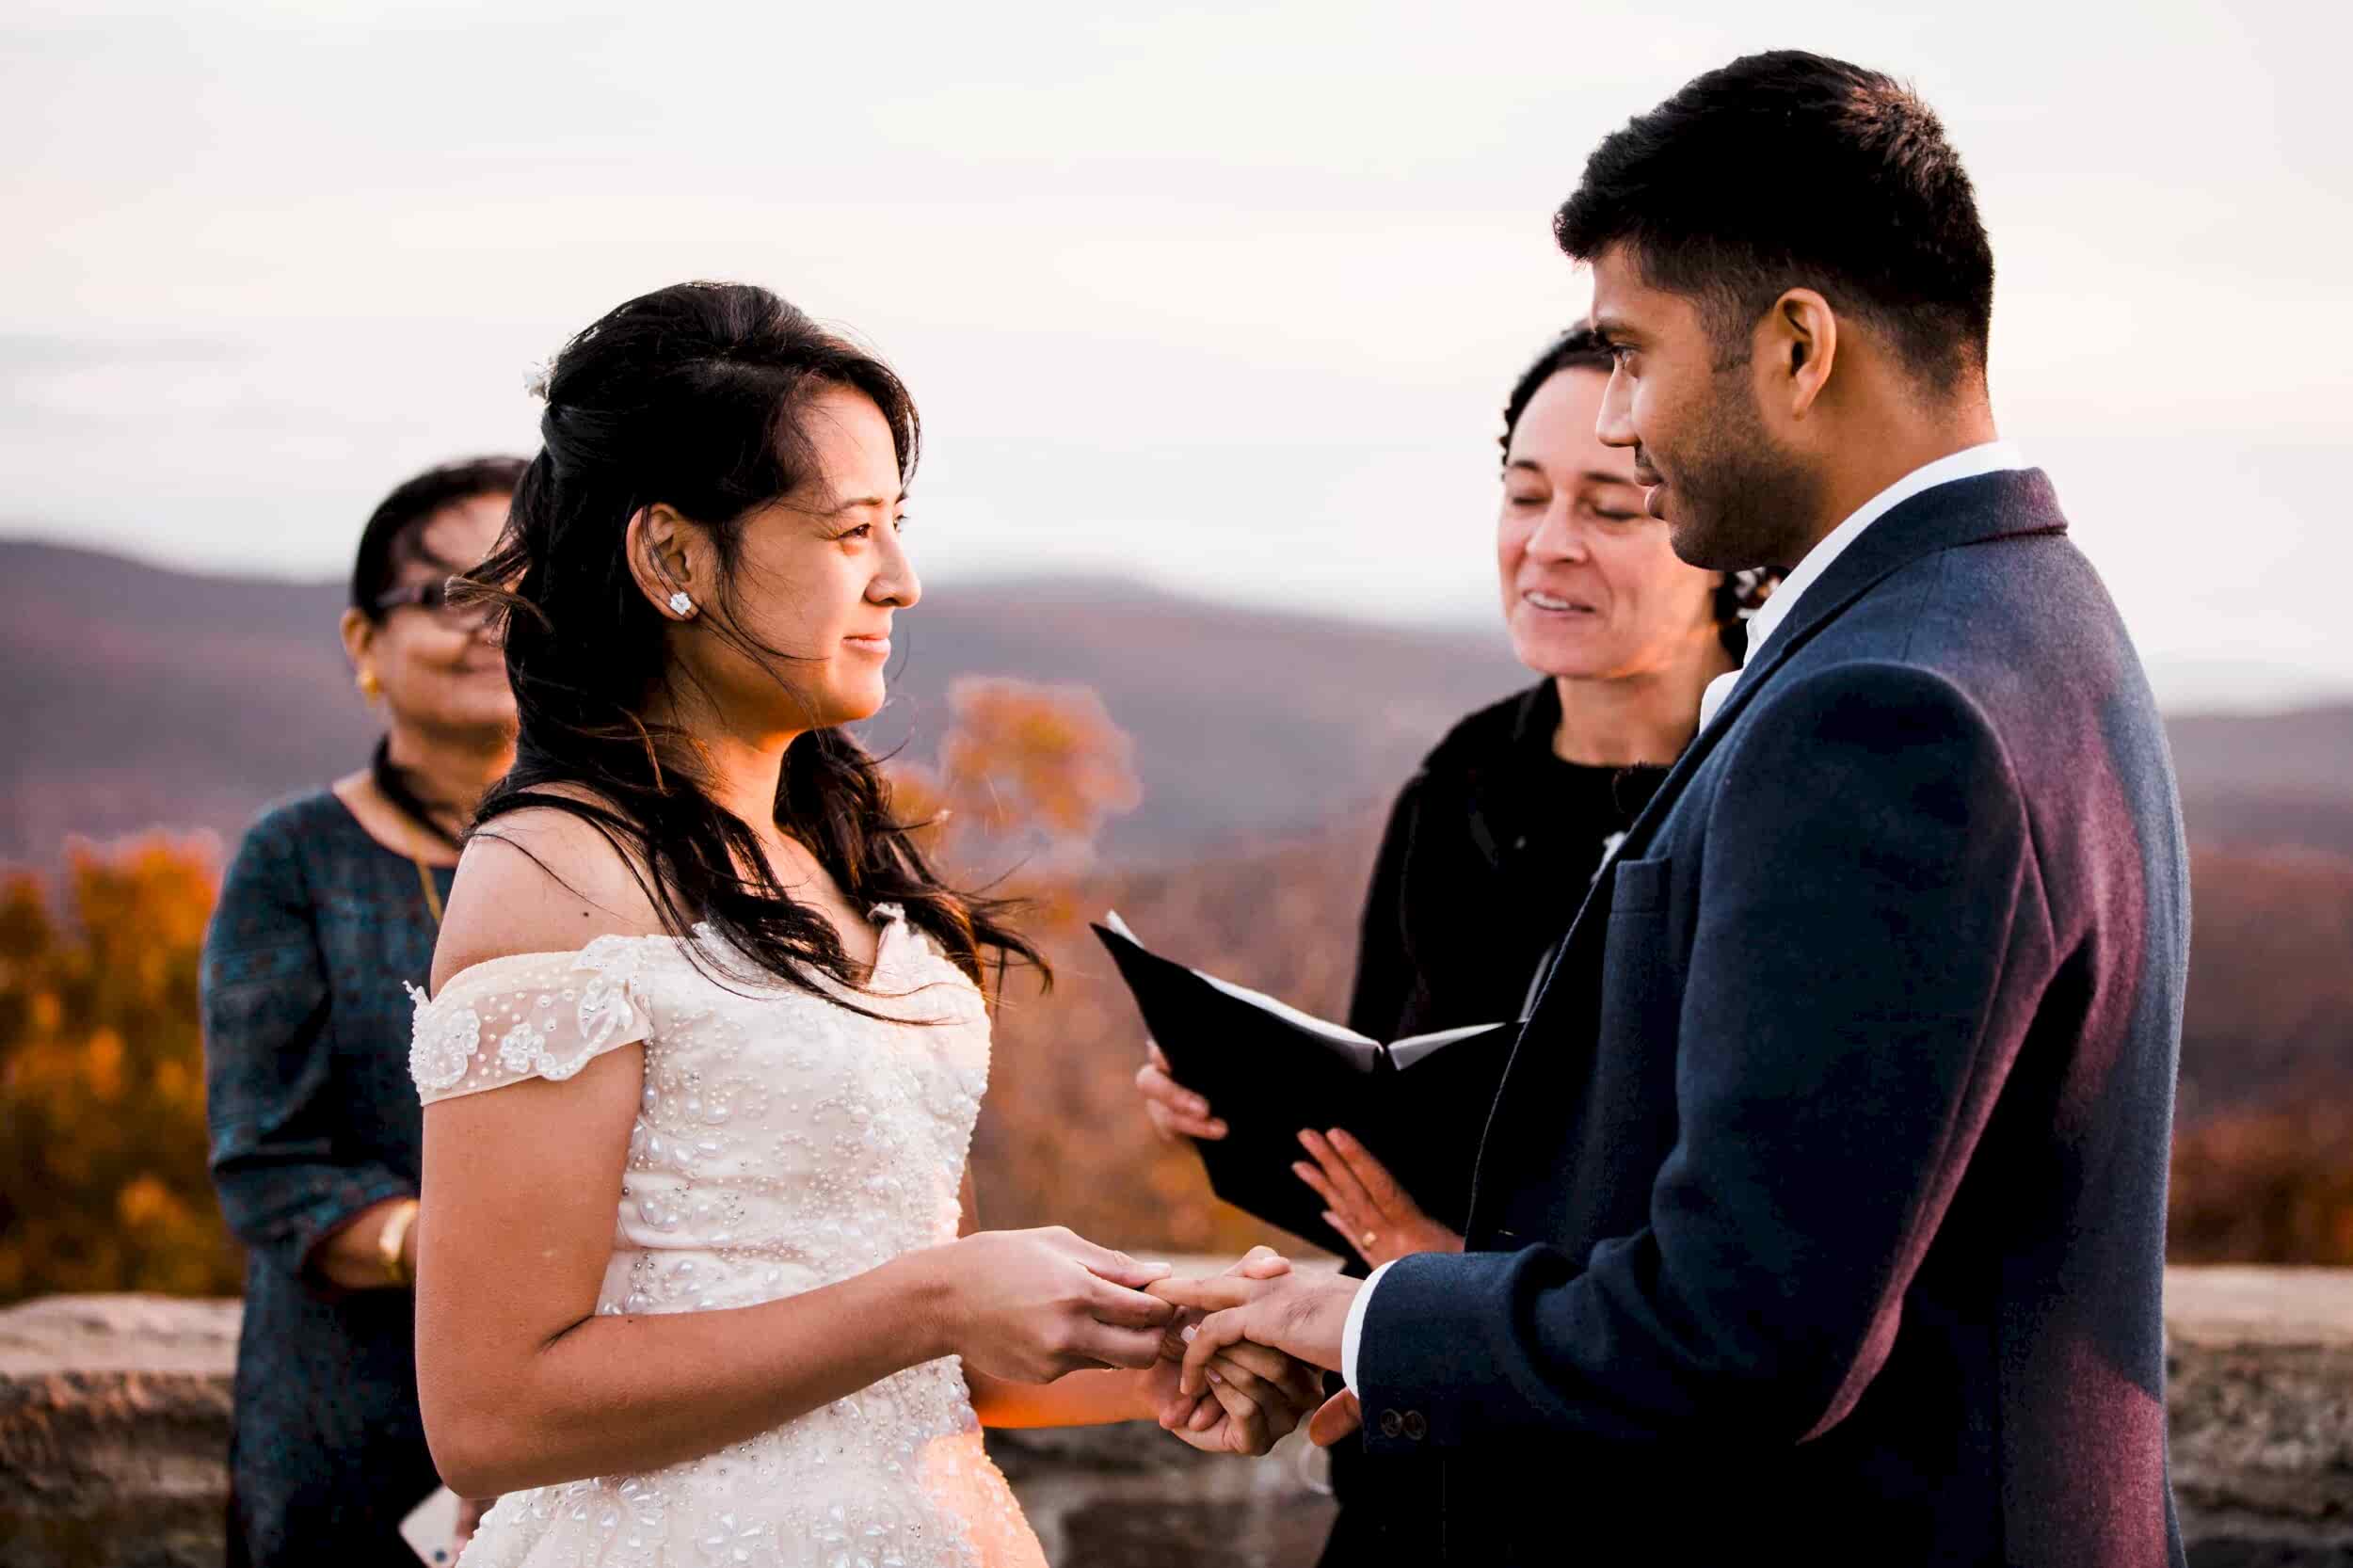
(2183, 686)
(1225, 303)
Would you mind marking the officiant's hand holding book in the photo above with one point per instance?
(1174, 1111)
(1281, 1074)
(1364, 1203)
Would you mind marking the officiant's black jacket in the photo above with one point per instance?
(1822, 1209)
(1492, 823)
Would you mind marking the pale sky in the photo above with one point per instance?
(1226, 300)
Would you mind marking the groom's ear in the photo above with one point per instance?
(1796, 350)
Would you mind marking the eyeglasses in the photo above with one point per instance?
(433, 597)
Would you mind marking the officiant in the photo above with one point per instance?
(1510, 816)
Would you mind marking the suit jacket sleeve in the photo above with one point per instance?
(1869, 896)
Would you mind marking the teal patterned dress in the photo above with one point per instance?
(312, 1119)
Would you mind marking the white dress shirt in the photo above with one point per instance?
(1968, 463)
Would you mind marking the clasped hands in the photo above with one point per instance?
(1254, 1336)
(1240, 1400)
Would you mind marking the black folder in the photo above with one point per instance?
(1268, 1070)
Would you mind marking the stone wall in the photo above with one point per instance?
(2258, 1365)
(114, 1431)
(114, 1422)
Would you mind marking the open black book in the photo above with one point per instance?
(1268, 1070)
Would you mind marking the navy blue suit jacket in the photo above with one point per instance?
(1822, 1207)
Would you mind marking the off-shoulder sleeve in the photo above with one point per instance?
(535, 1014)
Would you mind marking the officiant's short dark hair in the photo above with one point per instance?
(1789, 169)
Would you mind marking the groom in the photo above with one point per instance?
(1822, 1209)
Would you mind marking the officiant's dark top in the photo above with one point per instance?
(1489, 850)
(313, 1119)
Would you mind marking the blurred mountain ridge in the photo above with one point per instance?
(143, 696)
(149, 697)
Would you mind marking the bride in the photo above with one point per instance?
(696, 1275)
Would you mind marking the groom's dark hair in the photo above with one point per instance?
(1789, 170)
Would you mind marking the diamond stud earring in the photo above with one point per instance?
(680, 605)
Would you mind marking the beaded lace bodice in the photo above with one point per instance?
(781, 1143)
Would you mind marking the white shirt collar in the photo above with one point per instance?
(1968, 463)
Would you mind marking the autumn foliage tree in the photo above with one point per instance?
(1026, 776)
(1025, 779)
(103, 1181)
(2273, 1184)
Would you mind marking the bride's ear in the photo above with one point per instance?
(664, 553)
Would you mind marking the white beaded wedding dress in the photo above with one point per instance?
(782, 1142)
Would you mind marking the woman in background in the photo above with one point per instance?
(333, 898)
(1494, 843)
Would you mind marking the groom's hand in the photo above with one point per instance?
(1252, 1395)
(1301, 1314)
(1340, 1416)
(1255, 1397)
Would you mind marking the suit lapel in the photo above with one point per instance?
(2008, 504)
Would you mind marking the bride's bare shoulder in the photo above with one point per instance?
(541, 879)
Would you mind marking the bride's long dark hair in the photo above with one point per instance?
(693, 396)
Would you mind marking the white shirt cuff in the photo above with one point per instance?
(1353, 1330)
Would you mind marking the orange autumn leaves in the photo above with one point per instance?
(103, 1185)
(1025, 771)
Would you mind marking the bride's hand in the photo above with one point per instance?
(1029, 1306)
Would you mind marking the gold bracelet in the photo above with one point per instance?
(393, 1240)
